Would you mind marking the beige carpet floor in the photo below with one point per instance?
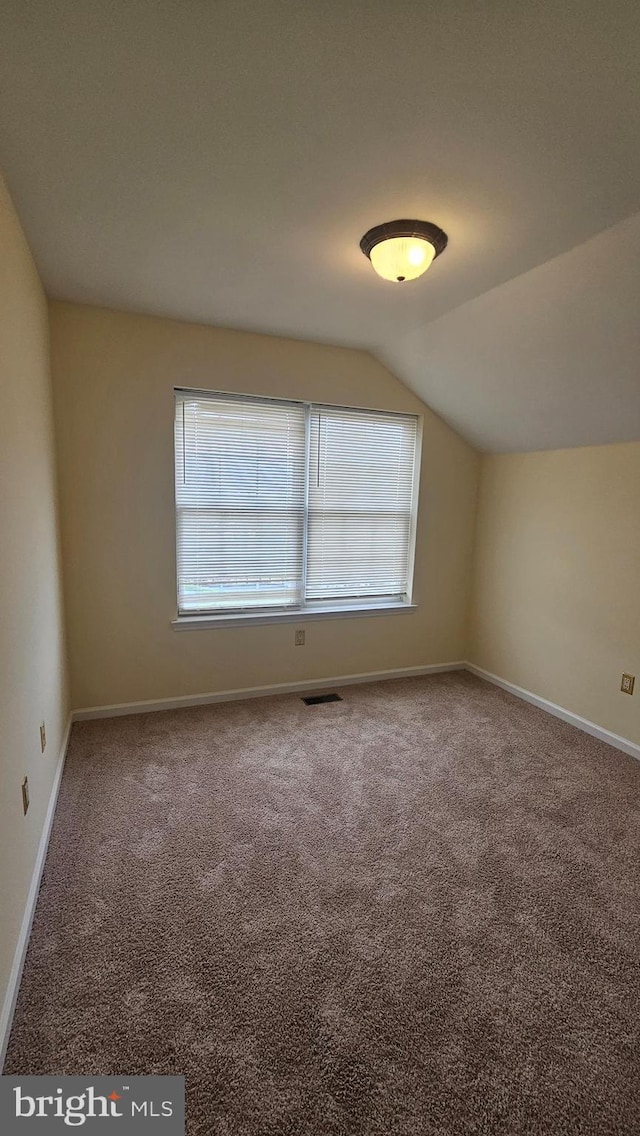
(410, 913)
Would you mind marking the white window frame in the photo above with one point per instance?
(335, 609)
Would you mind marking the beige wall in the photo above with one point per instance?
(114, 375)
(32, 681)
(556, 598)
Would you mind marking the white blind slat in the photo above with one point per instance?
(360, 503)
(239, 503)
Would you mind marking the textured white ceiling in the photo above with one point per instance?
(547, 360)
(218, 161)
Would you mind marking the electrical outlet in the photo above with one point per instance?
(25, 795)
(627, 684)
(300, 638)
(43, 736)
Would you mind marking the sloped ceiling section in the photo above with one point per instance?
(219, 162)
(548, 360)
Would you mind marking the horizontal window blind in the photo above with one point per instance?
(240, 501)
(282, 505)
(360, 504)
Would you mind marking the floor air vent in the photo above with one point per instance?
(314, 699)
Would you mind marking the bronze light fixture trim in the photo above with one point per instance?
(403, 250)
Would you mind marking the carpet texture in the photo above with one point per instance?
(414, 911)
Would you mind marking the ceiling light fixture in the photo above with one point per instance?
(403, 250)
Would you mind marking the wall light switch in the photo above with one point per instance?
(25, 795)
(43, 736)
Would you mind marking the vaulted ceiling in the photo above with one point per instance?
(219, 161)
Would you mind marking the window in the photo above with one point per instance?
(287, 506)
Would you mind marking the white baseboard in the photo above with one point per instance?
(559, 712)
(6, 1015)
(257, 691)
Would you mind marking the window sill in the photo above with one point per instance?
(254, 619)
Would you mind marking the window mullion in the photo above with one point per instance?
(305, 514)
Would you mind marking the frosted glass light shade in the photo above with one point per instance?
(402, 258)
(403, 250)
